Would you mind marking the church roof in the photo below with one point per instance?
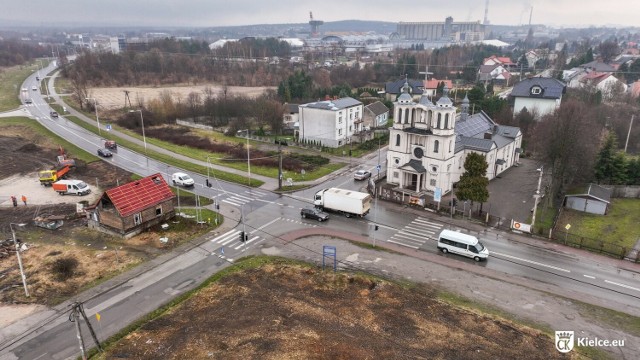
(415, 165)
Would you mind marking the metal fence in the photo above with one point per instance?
(489, 220)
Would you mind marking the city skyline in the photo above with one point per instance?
(213, 13)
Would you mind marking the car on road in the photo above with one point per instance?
(34, 88)
(105, 153)
(182, 179)
(362, 175)
(315, 214)
(53, 114)
(28, 101)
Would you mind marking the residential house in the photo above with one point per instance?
(598, 66)
(431, 86)
(634, 89)
(131, 208)
(393, 89)
(496, 74)
(376, 115)
(593, 199)
(290, 118)
(499, 60)
(429, 144)
(532, 58)
(332, 123)
(607, 84)
(539, 95)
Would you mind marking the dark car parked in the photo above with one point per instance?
(314, 214)
(53, 114)
(104, 153)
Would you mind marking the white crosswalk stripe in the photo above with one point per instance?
(416, 233)
(231, 239)
(241, 199)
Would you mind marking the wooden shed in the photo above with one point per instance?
(131, 208)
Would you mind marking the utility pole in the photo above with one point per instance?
(279, 165)
(628, 134)
(537, 198)
(77, 309)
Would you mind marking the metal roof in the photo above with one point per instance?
(551, 88)
(415, 165)
(396, 86)
(138, 195)
(475, 143)
(377, 108)
(337, 104)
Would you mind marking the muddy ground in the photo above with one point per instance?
(98, 256)
(284, 311)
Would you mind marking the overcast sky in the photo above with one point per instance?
(208, 13)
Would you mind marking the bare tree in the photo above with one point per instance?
(567, 141)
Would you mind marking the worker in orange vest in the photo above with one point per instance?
(24, 200)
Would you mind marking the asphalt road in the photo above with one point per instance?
(268, 218)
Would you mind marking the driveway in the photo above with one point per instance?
(511, 194)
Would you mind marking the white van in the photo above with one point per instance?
(182, 179)
(462, 244)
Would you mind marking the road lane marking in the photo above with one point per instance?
(623, 285)
(399, 243)
(269, 223)
(589, 276)
(531, 262)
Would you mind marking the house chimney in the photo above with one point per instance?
(487, 136)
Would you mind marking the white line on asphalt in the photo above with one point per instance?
(399, 243)
(231, 202)
(420, 241)
(421, 230)
(623, 285)
(532, 262)
(589, 276)
(269, 223)
(242, 197)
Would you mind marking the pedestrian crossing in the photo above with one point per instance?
(416, 233)
(241, 199)
(231, 240)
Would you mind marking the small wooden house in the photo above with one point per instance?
(131, 208)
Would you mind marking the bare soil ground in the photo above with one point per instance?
(284, 311)
(99, 256)
(112, 98)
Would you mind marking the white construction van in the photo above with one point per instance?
(462, 244)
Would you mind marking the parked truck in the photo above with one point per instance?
(71, 187)
(48, 177)
(348, 202)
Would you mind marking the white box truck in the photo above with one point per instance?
(348, 202)
(73, 187)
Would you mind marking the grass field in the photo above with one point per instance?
(619, 227)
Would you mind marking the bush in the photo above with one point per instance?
(64, 268)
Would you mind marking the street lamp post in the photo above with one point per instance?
(24, 278)
(95, 105)
(248, 158)
(144, 139)
(537, 198)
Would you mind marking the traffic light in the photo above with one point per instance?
(241, 236)
(206, 181)
(376, 227)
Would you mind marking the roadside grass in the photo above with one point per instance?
(69, 148)
(544, 220)
(212, 157)
(618, 227)
(167, 159)
(11, 80)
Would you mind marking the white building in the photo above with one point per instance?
(429, 144)
(539, 95)
(332, 123)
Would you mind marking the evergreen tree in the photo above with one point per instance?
(473, 182)
(633, 171)
(611, 166)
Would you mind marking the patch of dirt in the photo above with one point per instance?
(99, 255)
(280, 311)
(112, 98)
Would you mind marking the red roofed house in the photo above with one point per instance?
(129, 209)
(499, 60)
(430, 86)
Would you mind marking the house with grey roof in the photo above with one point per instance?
(593, 199)
(538, 95)
(429, 143)
(331, 123)
(393, 89)
(376, 115)
(290, 118)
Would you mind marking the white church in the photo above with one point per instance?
(429, 143)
